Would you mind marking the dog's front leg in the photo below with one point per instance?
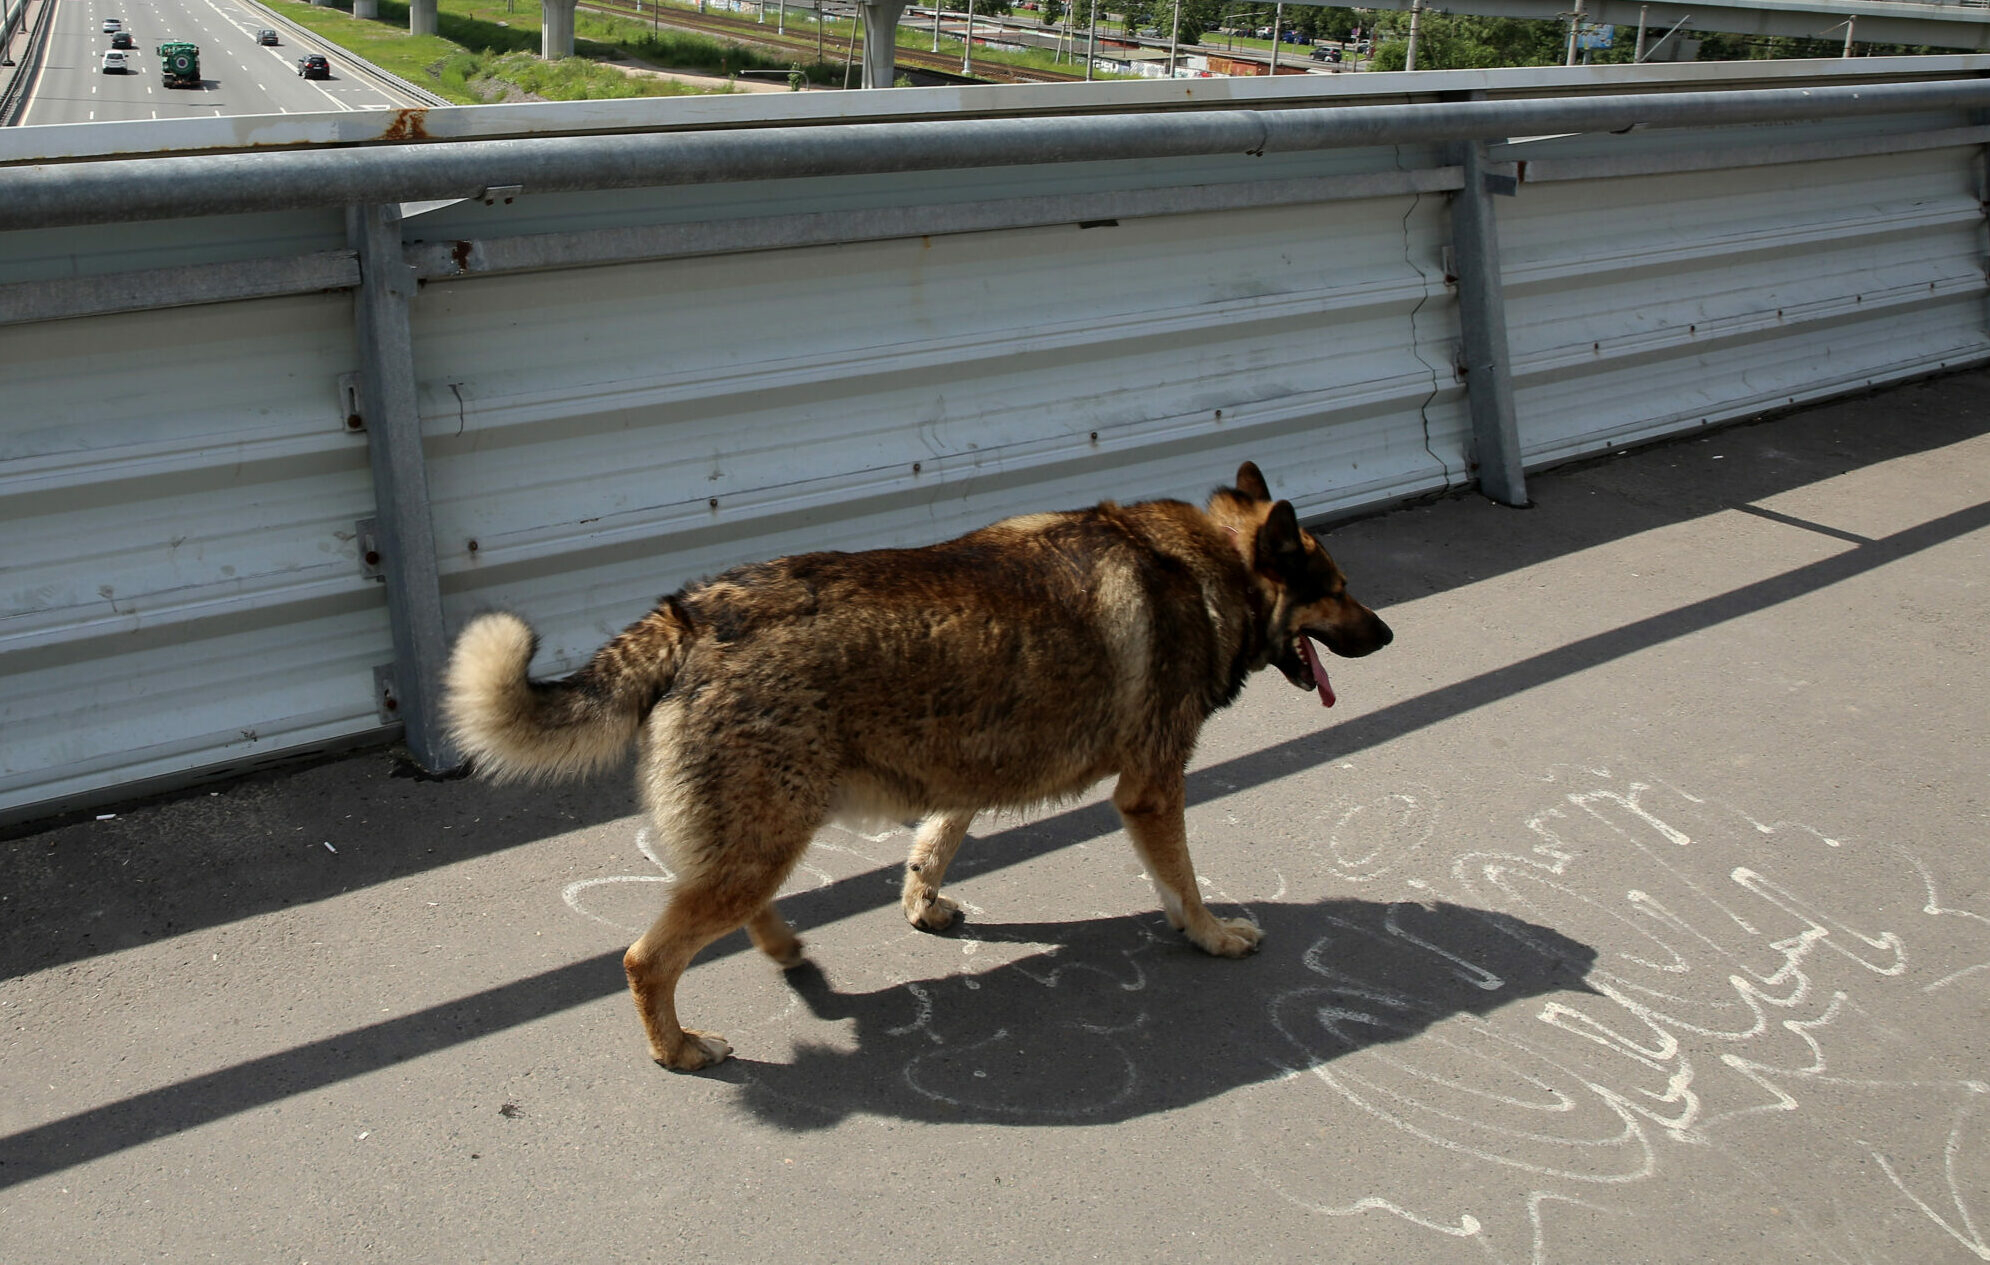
(1152, 810)
(933, 851)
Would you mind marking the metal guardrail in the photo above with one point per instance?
(773, 333)
(13, 97)
(410, 94)
(176, 187)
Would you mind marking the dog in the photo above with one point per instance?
(1016, 665)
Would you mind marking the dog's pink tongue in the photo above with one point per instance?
(1319, 673)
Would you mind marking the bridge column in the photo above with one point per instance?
(556, 34)
(366, 9)
(421, 17)
(881, 41)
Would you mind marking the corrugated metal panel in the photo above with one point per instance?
(1641, 305)
(900, 392)
(180, 586)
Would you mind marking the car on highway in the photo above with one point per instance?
(314, 66)
(112, 24)
(123, 40)
(116, 61)
(266, 36)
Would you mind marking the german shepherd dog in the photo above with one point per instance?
(1016, 665)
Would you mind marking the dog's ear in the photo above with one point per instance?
(1281, 551)
(1250, 481)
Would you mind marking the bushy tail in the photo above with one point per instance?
(514, 727)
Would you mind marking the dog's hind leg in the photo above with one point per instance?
(700, 911)
(774, 937)
(933, 851)
(1152, 810)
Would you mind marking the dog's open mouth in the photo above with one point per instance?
(1312, 676)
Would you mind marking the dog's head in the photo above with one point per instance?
(1309, 597)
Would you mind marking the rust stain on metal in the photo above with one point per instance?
(408, 125)
(460, 252)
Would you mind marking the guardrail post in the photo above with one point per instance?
(404, 529)
(1980, 118)
(1482, 321)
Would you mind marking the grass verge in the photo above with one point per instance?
(484, 50)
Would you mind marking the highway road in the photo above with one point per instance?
(238, 76)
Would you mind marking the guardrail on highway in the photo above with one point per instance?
(391, 83)
(16, 77)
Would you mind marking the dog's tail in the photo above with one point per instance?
(514, 727)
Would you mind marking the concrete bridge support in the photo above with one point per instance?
(556, 34)
(369, 9)
(421, 17)
(880, 41)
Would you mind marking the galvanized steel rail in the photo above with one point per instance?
(112, 191)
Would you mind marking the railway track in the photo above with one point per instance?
(803, 47)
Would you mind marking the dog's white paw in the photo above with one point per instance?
(1228, 937)
(930, 911)
(697, 1051)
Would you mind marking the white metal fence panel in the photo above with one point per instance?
(180, 585)
(902, 391)
(1643, 304)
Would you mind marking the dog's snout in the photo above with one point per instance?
(1383, 633)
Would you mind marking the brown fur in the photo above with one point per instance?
(1017, 664)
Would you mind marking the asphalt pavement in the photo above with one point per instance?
(1631, 907)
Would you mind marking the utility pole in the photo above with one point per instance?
(1416, 29)
(1277, 34)
(1174, 38)
(1575, 24)
(967, 43)
(1092, 41)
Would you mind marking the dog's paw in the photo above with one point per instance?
(930, 911)
(786, 953)
(793, 958)
(698, 1050)
(1229, 937)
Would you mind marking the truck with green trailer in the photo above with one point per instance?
(179, 61)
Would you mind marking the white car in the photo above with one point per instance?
(112, 24)
(116, 61)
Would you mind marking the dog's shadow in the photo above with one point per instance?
(1120, 1017)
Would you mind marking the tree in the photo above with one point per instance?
(1451, 42)
(1197, 16)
